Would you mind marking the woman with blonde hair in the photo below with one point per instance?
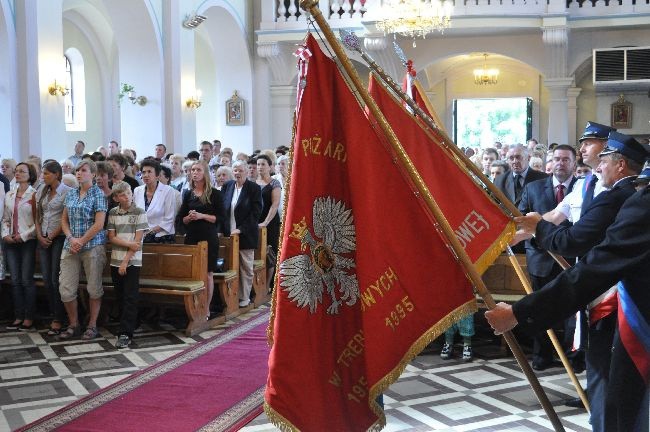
(203, 215)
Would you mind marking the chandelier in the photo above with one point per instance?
(485, 75)
(414, 18)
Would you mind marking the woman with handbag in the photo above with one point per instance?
(242, 200)
(19, 236)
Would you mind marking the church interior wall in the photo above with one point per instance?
(91, 106)
(122, 41)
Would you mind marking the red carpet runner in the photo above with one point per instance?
(217, 385)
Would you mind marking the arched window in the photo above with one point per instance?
(69, 98)
(75, 100)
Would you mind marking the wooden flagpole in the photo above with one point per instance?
(351, 42)
(312, 7)
(551, 334)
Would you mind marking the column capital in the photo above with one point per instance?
(556, 47)
(279, 59)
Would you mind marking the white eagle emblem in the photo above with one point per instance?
(303, 276)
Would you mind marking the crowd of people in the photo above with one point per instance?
(67, 211)
(576, 202)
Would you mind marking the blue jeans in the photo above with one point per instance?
(50, 268)
(20, 261)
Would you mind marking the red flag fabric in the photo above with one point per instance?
(365, 280)
(481, 227)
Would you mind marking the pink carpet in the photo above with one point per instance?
(217, 385)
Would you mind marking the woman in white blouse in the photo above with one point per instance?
(158, 201)
(19, 236)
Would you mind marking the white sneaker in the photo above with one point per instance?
(467, 353)
(446, 352)
(244, 303)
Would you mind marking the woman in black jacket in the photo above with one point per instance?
(242, 201)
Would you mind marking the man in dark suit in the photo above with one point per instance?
(541, 196)
(242, 201)
(512, 182)
(623, 256)
(620, 162)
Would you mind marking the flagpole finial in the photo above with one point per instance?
(350, 40)
(308, 4)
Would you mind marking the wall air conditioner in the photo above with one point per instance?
(621, 68)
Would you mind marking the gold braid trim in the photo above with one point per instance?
(417, 347)
(278, 420)
(287, 186)
(493, 252)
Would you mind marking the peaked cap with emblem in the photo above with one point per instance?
(595, 130)
(627, 146)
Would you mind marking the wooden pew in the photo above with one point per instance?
(171, 274)
(259, 270)
(502, 281)
(226, 283)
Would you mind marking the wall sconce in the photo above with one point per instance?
(194, 102)
(57, 89)
(193, 21)
(140, 100)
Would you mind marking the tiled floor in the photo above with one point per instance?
(39, 375)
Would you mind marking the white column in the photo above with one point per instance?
(179, 133)
(283, 104)
(39, 38)
(558, 111)
(572, 114)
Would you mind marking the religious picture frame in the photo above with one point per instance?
(235, 110)
(622, 113)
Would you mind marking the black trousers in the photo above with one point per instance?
(542, 346)
(626, 406)
(127, 289)
(598, 359)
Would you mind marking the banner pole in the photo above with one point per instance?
(423, 192)
(447, 142)
(551, 334)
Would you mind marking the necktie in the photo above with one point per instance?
(517, 185)
(559, 193)
(588, 196)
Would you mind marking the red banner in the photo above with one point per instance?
(365, 280)
(481, 227)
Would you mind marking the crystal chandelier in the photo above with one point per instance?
(485, 75)
(414, 18)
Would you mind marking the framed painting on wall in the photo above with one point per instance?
(235, 110)
(622, 113)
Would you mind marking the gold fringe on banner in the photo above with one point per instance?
(287, 187)
(278, 420)
(497, 248)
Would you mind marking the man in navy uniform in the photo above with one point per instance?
(620, 163)
(623, 256)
